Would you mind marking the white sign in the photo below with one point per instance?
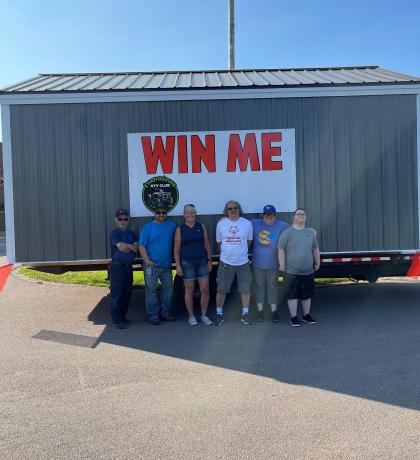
(208, 168)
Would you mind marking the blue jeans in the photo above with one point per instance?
(121, 286)
(151, 276)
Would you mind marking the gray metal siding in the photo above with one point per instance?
(355, 156)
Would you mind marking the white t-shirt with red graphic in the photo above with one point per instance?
(234, 236)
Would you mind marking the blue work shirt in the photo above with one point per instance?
(158, 239)
(266, 237)
(118, 236)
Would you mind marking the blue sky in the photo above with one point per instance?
(105, 36)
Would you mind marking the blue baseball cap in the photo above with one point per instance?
(269, 209)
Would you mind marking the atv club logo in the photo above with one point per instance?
(160, 189)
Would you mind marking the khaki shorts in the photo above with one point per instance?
(226, 274)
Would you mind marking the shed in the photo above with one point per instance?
(357, 132)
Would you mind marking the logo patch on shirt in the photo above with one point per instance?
(233, 237)
(264, 237)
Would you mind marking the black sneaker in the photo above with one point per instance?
(127, 321)
(294, 321)
(154, 320)
(260, 316)
(219, 320)
(275, 317)
(167, 317)
(308, 319)
(246, 320)
(120, 325)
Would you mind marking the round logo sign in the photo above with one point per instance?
(160, 189)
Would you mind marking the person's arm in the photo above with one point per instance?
(127, 247)
(317, 258)
(207, 247)
(123, 247)
(115, 239)
(177, 250)
(219, 236)
(281, 253)
(250, 234)
(134, 247)
(316, 254)
(282, 259)
(145, 256)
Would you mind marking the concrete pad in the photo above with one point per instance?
(346, 387)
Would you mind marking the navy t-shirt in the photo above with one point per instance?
(118, 236)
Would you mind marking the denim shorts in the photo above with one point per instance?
(194, 269)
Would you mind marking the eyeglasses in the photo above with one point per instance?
(233, 208)
(300, 214)
(122, 219)
(161, 213)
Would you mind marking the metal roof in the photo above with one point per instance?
(208, 79)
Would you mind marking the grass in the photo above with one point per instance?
(84, 278)
(99, 278)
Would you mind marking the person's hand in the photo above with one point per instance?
(149, 262)
(282, 268)
(316, 266)
(209, 266)
(179, 270)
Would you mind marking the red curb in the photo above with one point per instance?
(4, 274)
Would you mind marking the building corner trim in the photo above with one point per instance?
(418, 164)
(8, 185)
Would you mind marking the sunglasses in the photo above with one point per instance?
(233, 208)
(161, 213)
(122, 219)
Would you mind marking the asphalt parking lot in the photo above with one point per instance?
(72, 386)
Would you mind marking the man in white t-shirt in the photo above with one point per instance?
(234, 235)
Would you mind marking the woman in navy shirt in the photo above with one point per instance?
(193, 261)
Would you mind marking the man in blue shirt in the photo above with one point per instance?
(265, 266)
(156, 248)
(123, 251)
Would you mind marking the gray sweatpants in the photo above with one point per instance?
(265, 281)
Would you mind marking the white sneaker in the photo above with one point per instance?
(206, 320)
(192, 321)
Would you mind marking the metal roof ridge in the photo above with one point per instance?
(212, 70)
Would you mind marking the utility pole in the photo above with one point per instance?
(231, 33)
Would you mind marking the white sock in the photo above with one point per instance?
(260, 306)
(273, 307)
(245, 311)
(219, 310)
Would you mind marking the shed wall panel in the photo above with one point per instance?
(355, 156)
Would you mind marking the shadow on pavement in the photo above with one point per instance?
(366, 343)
